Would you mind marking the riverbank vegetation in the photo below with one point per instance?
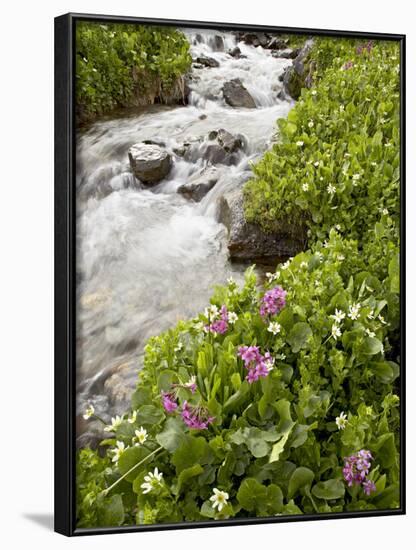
(128, 65)
(282, 398)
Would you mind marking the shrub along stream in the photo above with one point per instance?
(282, 398)
(128, 65)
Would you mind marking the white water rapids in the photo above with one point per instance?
(147, 258)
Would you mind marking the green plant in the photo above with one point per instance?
(338, 159)
(121, 65)
(266, 402)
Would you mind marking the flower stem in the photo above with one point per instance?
(99, 418)
(106, 491)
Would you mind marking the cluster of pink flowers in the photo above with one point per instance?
(220, 326)
(258, 365)
(348, 65)
(169, 401)
(273, 301)
(196, 418)
(170, 398)
(365, 47)
(356, 469)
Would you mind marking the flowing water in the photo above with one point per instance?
(147, 258)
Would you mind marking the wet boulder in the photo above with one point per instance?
(199, 184)
(247, 241)
(277, 43)
(222, 147)
(236, 53)
(205, 61)
(286, 53)
(236, 94)
(255, 38)
(299, 75)
(149, 162)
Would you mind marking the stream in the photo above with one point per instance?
(148, 257)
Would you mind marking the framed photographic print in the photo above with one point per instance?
(229, 286)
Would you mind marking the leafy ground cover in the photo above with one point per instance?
(282, 398)
(123, 65)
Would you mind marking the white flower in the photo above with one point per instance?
(331, 189)
(335, 331)
(325, 244)
(299, 143)
(338, 227)
(341, 257)
(230, 281)
(339, 315)
(310, 124)
(272, 276)
(178, 346)
(313, 92)
(354, 311)
(151, 481)
(385, 212)
(274, 328)
(381, 319)
(305, 186)
(191, 382)
(371, 314)
(286, 264)
(211, 312)
(118, 451)
(341, 108)
(269, 363)
(219, 499)
(89, 412)
(319, 255)
(303, 264)
(316, 163)
(370, 333)
(341, 421)
(356, 177)
(85, 59)
(232, 317)
(199, 325)
(115, 423)
(132, 418)
(141, 436)
(374, 164)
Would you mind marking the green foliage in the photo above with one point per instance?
(342, 136)
(274, 446)
(123, 65)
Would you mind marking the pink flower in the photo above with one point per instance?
(369, 487)
(196, 418)
(258, 366)
(169, 401)
(273, 301)
(356, 468)
(220, 326)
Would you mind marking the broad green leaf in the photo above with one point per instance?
(192, 450)
(329, 490)
(111, 512)
(172, 435)
(131, 457)
(371, 346)
(298, 336)
(301, 477)
(188, 474)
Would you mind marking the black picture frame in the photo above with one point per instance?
(65, 280)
